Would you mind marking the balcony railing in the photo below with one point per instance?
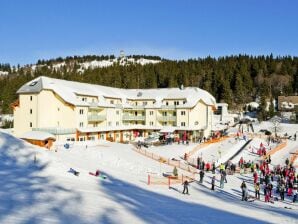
(166, 118)
(139, 107)
(168, 107)
(56, 131)
(95, 117)
(133, 118)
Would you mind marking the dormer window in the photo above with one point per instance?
(33, 83)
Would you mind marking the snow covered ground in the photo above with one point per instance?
(45, 192)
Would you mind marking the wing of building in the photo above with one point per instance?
(80, 111)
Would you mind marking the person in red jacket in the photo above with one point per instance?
(208, 166)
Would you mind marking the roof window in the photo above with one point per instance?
(33, 83)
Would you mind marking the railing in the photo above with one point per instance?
(169, 180)
(119, 106)
(139, 107)
(174, 163)
(133, 118)
(56, 131)
(276, 149)
(166, 118)
(168, 107)
(95, 117)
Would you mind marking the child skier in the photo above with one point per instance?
(185, 187)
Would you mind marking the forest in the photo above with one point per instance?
(235, 80)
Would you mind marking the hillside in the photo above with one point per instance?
(235, 79)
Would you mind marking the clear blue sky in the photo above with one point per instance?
(43, 29)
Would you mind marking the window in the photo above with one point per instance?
(196, 123)
(167, 103)
(136, 103)
(183, 113)
(176, 103)
(112, 101)
(110, 123)
(30, 98)
(144, 103)
(102, 136)
(174, 113)
(117, 112)
(58, 109)
(33, 83)
(164, 113)
(81, 124)
(143, 113)
(165, 123)
(81, 111)
(117, 123)
(151, 123)
(30, 124)
(84, 99)
(30, 111)
(184, 101)
(182, 124)
(151, 112)
(136, 113)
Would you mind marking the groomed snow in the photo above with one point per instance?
(45, 192)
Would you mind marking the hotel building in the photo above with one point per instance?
(80, 111)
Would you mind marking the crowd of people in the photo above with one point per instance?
(273, 182)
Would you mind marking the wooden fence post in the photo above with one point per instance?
(148, 179)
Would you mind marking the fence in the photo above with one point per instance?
(169, 180)
(175, 163)
(276, 149)
(193, 161)
(294, 157)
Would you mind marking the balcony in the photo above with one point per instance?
(133, 118)
(139, 107)
(167, 118)
(168, 107)
(95, 117)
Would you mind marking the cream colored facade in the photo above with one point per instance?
(80, 111)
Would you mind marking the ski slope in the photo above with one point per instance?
(45, 192)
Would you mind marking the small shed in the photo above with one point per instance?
(39, 138)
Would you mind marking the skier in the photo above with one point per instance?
(295, 195)
(282, 191)
(212, 183)
(213, 167)
(257, 190)
(255, 175)
(224, 173)
(185, 187)
(201, 176)
(222, 179)
(244, 191)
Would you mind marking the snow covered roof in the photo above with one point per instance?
(69, 91)
(38, 135)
